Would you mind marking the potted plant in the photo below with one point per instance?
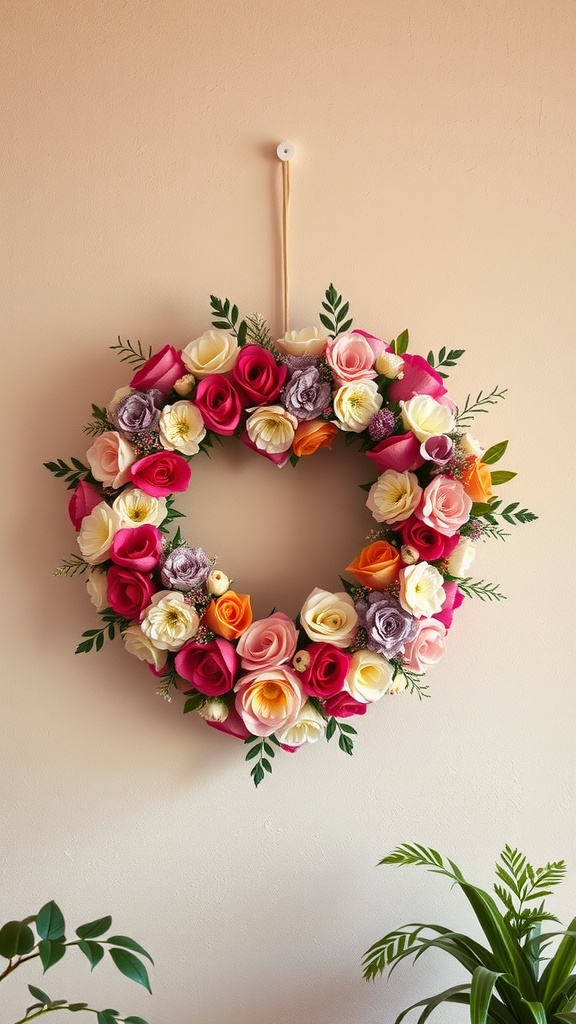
(513, 979)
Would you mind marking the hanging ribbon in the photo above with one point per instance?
(285, 153)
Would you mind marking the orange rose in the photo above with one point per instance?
(230, 615)
(477, 482)
(376, 566)
(313, 434)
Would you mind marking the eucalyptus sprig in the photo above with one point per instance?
(480, 588)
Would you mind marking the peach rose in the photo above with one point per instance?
(229, 615)
(350, 357)
(477, 482)
(376, 566)
(445, 506)
(427, 647)
(270, 641)
(269, 699)
(313, 434)
(110, 458)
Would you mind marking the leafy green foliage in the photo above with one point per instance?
(506, 986)
(480, 588)
(345, 733)
(495, 453)
(445, 358)
(73, 565)
(128, 353)
(261, 747)
(510, 514)
(113, 623)
(259, 333)
(172, 513)
(501, 476)
(71, 473)
(482, 403)
(99, 423)
(227, 318)
(400, 344)
(335, 318)
(414, 682)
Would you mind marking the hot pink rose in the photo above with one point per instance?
(161, 474)
(453, 600)
(419, 379)
(343, 705)
(138, 548)
(160, 371)
(258, 374)
(327, 671)
(219, 403)
(350, 357)
(210, 668)
(427, 647)
(233, 725)
(429, 544)
(400, 452)
(84, 498)
(128, 592)
(444, 505)
(278, 458)
(270, 641)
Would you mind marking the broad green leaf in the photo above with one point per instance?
(481, 989)
(93, 929)
(501, 476)
(537, 1011)
(455, 994)
(16, 939)
(495, 453)
(560, 967)
(93, 951)
(75, 1007)
(131, 967)
(106, 1017)
(480, 508)
(566, 1018)
(40, 995)
(50, 921)
(500, 938)
(51, 951)
(400, 345)
(127, 943)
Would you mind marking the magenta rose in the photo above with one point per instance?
(161, 474)
(427, 647)
(233, 725)
(419, 378)
(270, 641)
(452, 601)
(219, 403)
(84, 498)
(137, 548)
(160, 371)
(210, 668)
(343, 705)
(128, 592)
(429, 544)
(258, 374)
(278, 458)
(444, 505)
(400, 452)
(438, 449)
(327, 671)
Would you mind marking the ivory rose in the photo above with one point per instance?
(229, 615)
(355, 404)
(350, 357)
(270, 641)
(97, 533)
(181, 427)
(96, 585)
(214, 352)
(137, 643)
(477, 482)
(269, 699)
(445, 506)
(161, 371)
(394, 496)
(169, 621)
(136, 508)
(217, 583)
(308, 728)
(421, 590)
(329, 617)
(427, 647)
(310, 341)
(462, 557)
(312, 435)
(376, 566)
(426, 417)
(389, 364)
(271, 428)
(110, 458)
(369, 676)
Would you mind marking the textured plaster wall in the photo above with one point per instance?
(434, 183)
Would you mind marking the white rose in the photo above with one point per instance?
(369, 676)
(217, 583)
(97, 587)
(470, 445)
(116, 398)
(136, 508)
(97, 533)
(394, 496)
(214, 710)
(168, 621)
(110, 458)
(426, 417)
(421, 590)
(389, 365)
(462, 557)
(309, 342)
(182, 428)
(137, 643)
(329, 618)
(271, 428)
(355, 404)
(308, 728)
(215, 352)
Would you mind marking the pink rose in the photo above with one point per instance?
(270, 641)
(350, 357)
(327, 671)
(269, 699)
(233, 725)
(258, 374)
(376, 344)
(219, 403)
(400, 452)
(210, 668)
(438, 449)
(278, 458)
(429, 544)
(128, 592)
(84, 498)
(137, 547)
(427, 647)
(160, 371)
(343, 705)
(110, 459)
(444, 505)
(419, 378)
(161, 474)
(453, 600)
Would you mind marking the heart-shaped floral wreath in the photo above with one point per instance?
(275, 682)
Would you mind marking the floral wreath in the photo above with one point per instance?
(274, 682)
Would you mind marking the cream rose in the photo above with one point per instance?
(271, 428)
(369, 676)
(97, 533)
(110, 458)
(389, 365)
(355, 404)
(309, 342)
(426, 417)
(308, 728)
(181, 428)
(427, 647)
(137, 643)
(217, 583)
(97, 587)
(394, 496)
(269, 699)
(168, 621)
(214, 352)
(421, 590)
(136, 508)
(462, 557)
(329, 618)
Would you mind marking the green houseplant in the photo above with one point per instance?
(513, 979)
(42, 936)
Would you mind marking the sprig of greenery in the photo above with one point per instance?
(47, 1005)
(445, 358)
(113, 623)
(345, 741)
(482, 403)
(413, 681)
(127, 353)
(335, 321)
(72, 566)
(259, 746)
(172, 513)
(195, 700)
(510, 514)
(480, 588)
(71, 473)
(227, 318)
(99, 423)
(524, 884)
(259, 332)
(400, 344)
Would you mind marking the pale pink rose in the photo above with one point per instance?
(350, 357)
(270, 641)
(445, 506)
(427, 647)
(376, 344)
(269, 699)
(110, 458)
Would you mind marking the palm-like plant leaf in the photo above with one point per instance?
(456, 994)
(481, 990)
(560, 967)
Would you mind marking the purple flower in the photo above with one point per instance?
(306, 395)
(438, 449)
(185, 568)
(387, 625)
(381, 425)
(139, 411)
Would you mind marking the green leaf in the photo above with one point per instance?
(559, 968)
(127, 943)
(75, 1007)
(456, 994)
(135, 1020)
(257, 774)
(93, 951)
(479, 509)
(16, 939)
(131, 967)
(51, 951)
(330, 728)
(400, 345)
(495, 453)
(107, 1016)
(40, 995)
(481, 989)
(501, 477)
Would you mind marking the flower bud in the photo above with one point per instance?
(389, 365)
(184, 385)
(408, 554)
(214, 710)
(217, 583)
(301, 661)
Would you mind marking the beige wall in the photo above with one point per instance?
(434, 183)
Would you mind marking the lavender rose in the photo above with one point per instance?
(306, 394)
(185, 568)
(138, 411)
(387, 625)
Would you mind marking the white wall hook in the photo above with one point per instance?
(286, 150)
